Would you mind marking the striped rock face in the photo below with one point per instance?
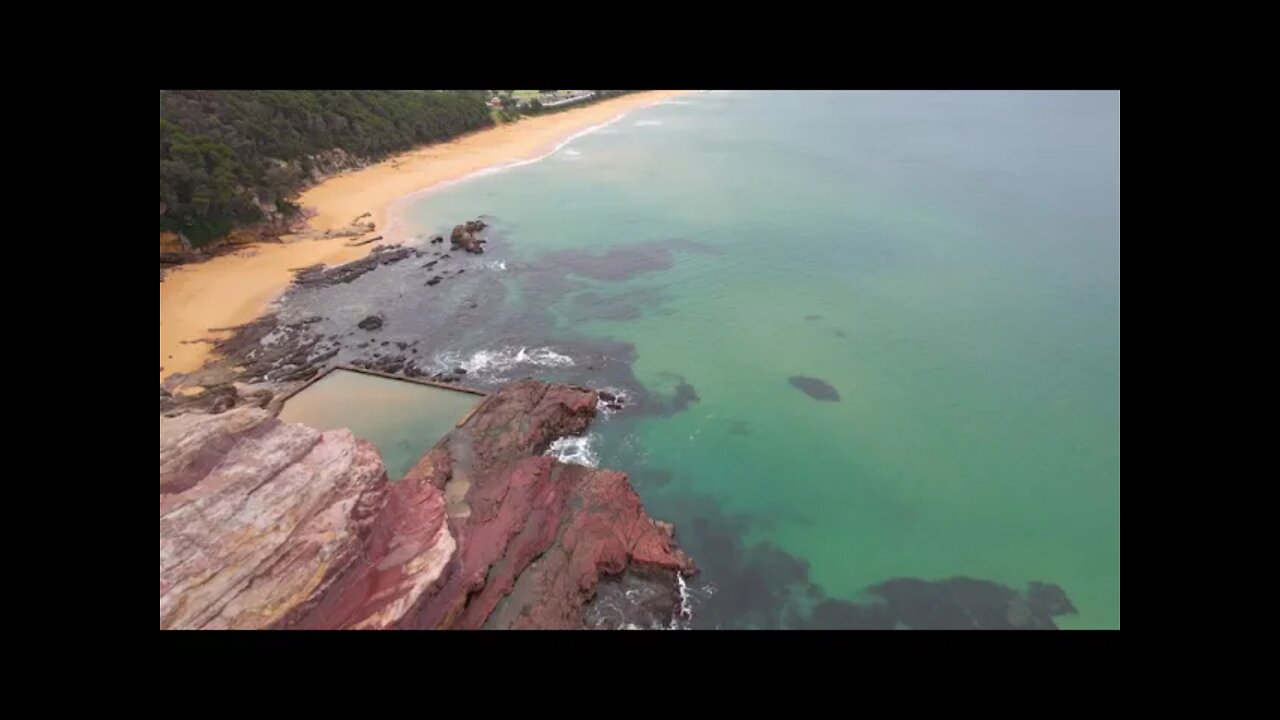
(258, 517)
(265, 524)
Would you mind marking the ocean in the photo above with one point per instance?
(868, 342)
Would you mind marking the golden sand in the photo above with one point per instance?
(236, 288)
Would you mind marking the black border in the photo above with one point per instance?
(741, 50)
(828, 54)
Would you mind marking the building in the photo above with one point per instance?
(564, 97)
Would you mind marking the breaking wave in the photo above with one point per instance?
(686, 610)
(498, 361)
(629, 604)
(396, 215)
(575, 450)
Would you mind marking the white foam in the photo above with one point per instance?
(647, 123)
(570, 152)
(497, 361)
(499, 168)
(395, 214)
(496, 265)
(575, 450)
(686, 610)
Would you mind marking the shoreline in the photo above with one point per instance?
(238, 287)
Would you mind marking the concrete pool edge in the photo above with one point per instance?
(376, 373)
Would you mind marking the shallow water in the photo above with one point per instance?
(402, 419)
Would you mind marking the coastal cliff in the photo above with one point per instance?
(266, 524)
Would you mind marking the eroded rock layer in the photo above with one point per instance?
(265, 524)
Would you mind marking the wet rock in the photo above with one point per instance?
(1049, 600)
(373, 322)
(293, 374)
(254, 396)
(460, 371)
(199, 399)
(322, 357)
(636, 599)
(390, 364)
(318, 276)
(464, 236)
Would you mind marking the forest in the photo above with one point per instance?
(226, 154)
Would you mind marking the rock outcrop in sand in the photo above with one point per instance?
(264, 524)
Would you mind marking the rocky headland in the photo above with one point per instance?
(266, 524)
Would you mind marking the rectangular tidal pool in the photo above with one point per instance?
(402, 418)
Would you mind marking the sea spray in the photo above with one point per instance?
(575, 450)
(495, 362)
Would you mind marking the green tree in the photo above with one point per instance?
(223, 153)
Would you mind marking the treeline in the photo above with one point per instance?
(225, 154)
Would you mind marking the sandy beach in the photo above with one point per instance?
(236, 288)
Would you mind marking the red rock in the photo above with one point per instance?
(258, 517)
(534, 535)
(604, 530)
(484, 531)
(410, 547)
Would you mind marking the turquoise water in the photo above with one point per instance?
(949, 262)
